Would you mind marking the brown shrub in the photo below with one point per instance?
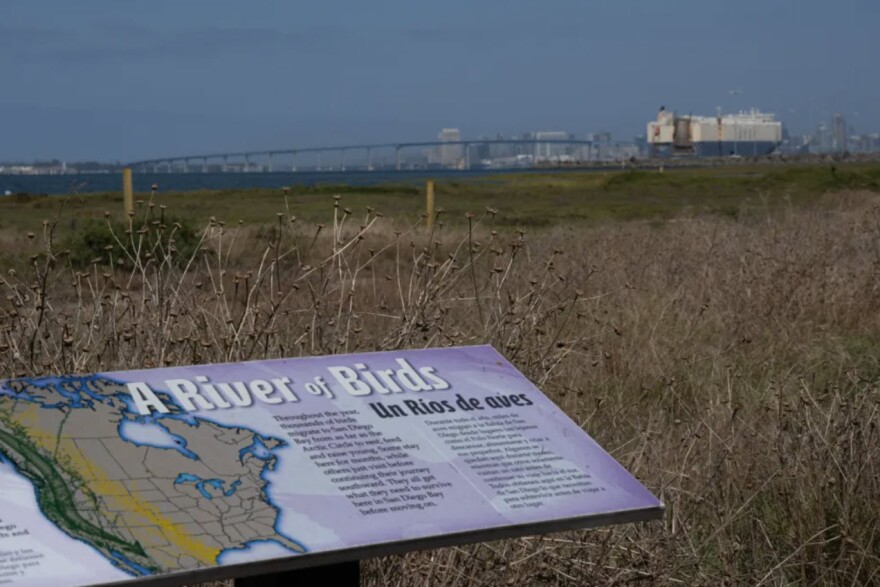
(730, 365)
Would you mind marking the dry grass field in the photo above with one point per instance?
(728, 359)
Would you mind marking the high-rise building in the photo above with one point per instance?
(601, 148)
(823, 139)
(449, 155)
(600, 137)
(838, 133)
(550, 150)
(481, 151)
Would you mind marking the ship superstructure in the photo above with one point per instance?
(746, 134)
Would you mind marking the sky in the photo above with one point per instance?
(116, 80)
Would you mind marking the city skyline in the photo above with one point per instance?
(835, 136)
(104, 81)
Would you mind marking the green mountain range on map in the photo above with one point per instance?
(147, 507)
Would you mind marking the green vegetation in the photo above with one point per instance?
(715, 329)
(96, 241)
(529, 200)
(56, 498)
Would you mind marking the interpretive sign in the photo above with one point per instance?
(216, 471)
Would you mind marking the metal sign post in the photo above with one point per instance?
(342, 575)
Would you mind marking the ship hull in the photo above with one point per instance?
(728, 148)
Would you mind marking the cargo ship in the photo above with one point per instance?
(744, 134)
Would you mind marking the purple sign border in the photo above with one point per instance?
(221, 572)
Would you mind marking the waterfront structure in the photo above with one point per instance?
(866, 143)
(481, 152)
(449, 155)
(838, 133)
(459, 155)
(600, 137)
(499, 149)
(550, 151)
(602, 148)
(749, 133)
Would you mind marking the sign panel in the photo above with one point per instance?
(207, 472)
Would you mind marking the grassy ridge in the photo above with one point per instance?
(528, 200)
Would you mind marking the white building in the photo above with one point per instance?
(450, 155)
(549, 151)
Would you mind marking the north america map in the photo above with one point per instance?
(210, 472)
(161, 493)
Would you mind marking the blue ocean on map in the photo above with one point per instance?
(74, 390)
(257, 449)
(141, 571)
(73, 560)
(257, 550)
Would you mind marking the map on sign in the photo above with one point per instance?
(113, 477)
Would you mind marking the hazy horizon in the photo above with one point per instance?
(101, 80)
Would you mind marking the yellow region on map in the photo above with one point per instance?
(146, 508)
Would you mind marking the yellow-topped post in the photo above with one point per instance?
(429, 201)
(127, 192)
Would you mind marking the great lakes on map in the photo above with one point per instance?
(152, 494)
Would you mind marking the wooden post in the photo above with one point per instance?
(127, 193)
(429, 201)
(341, 574)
